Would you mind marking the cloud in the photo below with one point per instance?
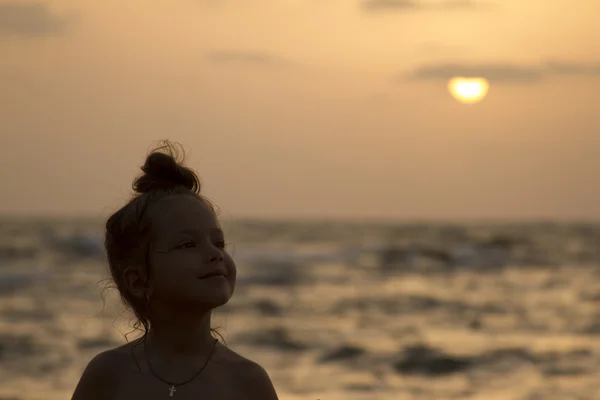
(419, 5)
(562, 68)
(29, 19)
(246, 57)
(493, 72)
(501, 73)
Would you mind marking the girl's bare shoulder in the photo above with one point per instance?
(101, 376)
(250, 376)
(232, 360)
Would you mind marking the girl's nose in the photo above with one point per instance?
(216, 258)
(216, 255)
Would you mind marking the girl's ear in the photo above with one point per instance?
(135, 281)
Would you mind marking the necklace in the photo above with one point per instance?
(173, 384)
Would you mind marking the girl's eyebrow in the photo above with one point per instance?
(197, 231)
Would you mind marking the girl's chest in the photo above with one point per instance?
(214, 386)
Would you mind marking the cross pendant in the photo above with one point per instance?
(172, 389)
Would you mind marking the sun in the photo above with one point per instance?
(468, 90)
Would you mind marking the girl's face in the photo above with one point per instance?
(188, 245)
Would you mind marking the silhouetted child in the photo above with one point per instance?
(167, 257)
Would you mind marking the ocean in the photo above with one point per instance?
(335, 310)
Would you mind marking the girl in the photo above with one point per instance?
(167, 257)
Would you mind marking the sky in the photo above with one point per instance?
(305, 108)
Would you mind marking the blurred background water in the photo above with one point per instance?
(335, 310)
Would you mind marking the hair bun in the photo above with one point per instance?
(164, 171)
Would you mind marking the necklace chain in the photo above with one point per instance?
(174, 384)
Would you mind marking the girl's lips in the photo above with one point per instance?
(213, 274)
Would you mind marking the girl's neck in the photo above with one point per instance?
(175, 335)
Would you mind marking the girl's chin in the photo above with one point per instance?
(203, 295)
(215, 297)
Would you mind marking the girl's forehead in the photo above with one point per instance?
(177, 213)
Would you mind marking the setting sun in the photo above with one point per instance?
(468, 90)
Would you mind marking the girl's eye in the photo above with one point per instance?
(191, 244)
(187, 245)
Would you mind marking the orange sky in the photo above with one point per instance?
(334, 108)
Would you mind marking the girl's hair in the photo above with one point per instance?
(128, 231)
